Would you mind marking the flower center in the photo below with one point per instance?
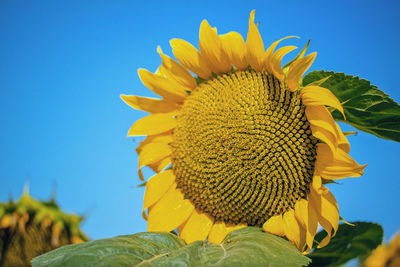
(243, 149)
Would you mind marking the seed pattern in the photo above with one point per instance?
(243, 149)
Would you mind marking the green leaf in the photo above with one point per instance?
(349, 243)
(248, 246)
(366, 107)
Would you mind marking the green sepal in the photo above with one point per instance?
(328, 181)
(300, 55)
(142, 184)
(319, 82)
(199, 80)
(350, 133)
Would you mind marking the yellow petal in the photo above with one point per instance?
(328, 228)
(211, 48)
(157, 166)
(160, 165)
(164, 138)
(293, 230)
(220, 230)
(176, 71)
(317, 183)
(153, 124)
(343, 143)
(160, 138)
(341, 166)
(164, 87)
(270, 51)
(235, 49)
(314, 95)
(274, 225)
(153, 152)
(217, 233)
(169, 212)
(301, 211)
(297, 70)
(346, 222)
(254, 46)
(275, 62)
(189, 57)
(150, 105)
(323, 126)
(163, 162)
(327, 212)
(76, 240)
(196, 227)
(232, 228)
(307, 217)
(156, 187)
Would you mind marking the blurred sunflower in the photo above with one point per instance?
(246, 143)
(385, 255)
(29, 228)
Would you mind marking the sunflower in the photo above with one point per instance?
(385, 255)
(242, 144)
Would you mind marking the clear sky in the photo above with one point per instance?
(63, 65)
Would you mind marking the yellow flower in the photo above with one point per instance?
(246, 143)
(385, 255)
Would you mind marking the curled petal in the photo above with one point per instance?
(164, 138)
(153, 152)
(275, 62)
(161, 164)
(270, 52)
(341, 166)
(314, 95)
(297, 70)
(317, 183)
(323, 126)
(293, 229)
(343, 143)
(306, 215)
(327, 212)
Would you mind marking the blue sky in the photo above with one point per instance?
(63, 65)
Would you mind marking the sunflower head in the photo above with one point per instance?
(241, 144)
(243, 149)
(29, 228)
